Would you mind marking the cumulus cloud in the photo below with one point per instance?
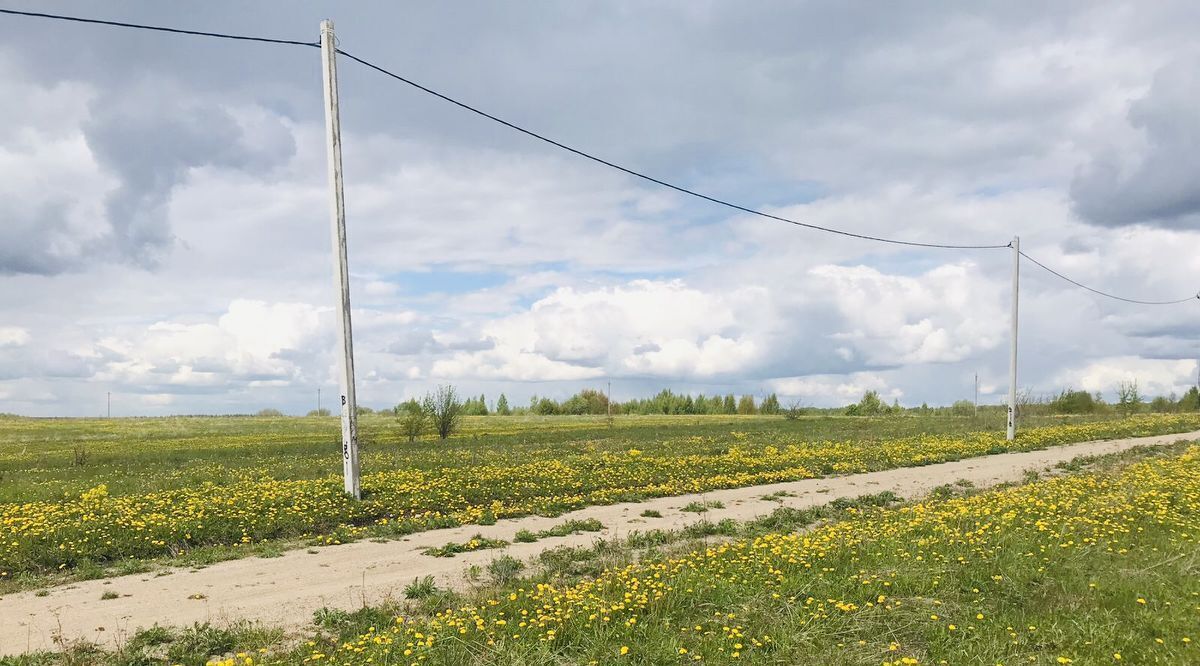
(13, 336)
(644, 327)
(942, 316)
(836, 389)
(1154, 376)
(252, 341)
(1157, 182)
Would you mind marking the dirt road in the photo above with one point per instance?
(286, 590)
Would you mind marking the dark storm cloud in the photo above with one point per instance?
(1161, 186)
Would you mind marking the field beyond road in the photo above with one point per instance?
(82, 494)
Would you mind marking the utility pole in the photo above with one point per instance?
(1012, 359)
(109, 395)
(977, 395)
(318, 401)
(608, 403)
(341, 270)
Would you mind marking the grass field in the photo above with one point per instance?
(1091, 568)
(1095, 566)
(81, 493)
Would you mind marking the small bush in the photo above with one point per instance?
(651, 513)
(505, 568)
(420, 588)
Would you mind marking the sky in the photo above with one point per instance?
(164, 204)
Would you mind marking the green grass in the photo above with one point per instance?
(560, 530)
(81, 482)
(38, 456)
(1015, 593)
(453, 548)
(1065, 570)
(701, 507)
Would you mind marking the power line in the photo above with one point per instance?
(159, 28)
(657, 181)
(1106, 294)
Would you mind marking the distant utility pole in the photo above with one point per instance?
(608, 402)
(318, 401)
(1012, 359)
(341, 270)
(977, 394)
(109, 394)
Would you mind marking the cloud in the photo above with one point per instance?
(1154, 376)
(642, 328)
(834, 389)
(13, 336)
(941, 316)
(150, 137)
(498, 263)
(1156, 183)
(252, 341)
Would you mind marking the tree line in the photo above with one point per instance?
(442, 410)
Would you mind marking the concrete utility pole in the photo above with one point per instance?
(1012, 360)
(109, 395)
(341, 270)
(977, 395)
(318, 401)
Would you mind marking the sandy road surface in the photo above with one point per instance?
(286, 590)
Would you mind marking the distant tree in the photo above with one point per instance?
(701, 404)
(545, 407)
(411, 403)
(728, 405)
(319, 412)
(793, 411)
(770, 405)
(1073, 402)
(868, 405)
(269, 412)
(1190, 402)
(360, 410)
(502, 407)
(960, 408)
(1162, 405)
(475, 407)
(1129, 399)
(412, 419)
(746, 405)
(688, 406)
(444, 410)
